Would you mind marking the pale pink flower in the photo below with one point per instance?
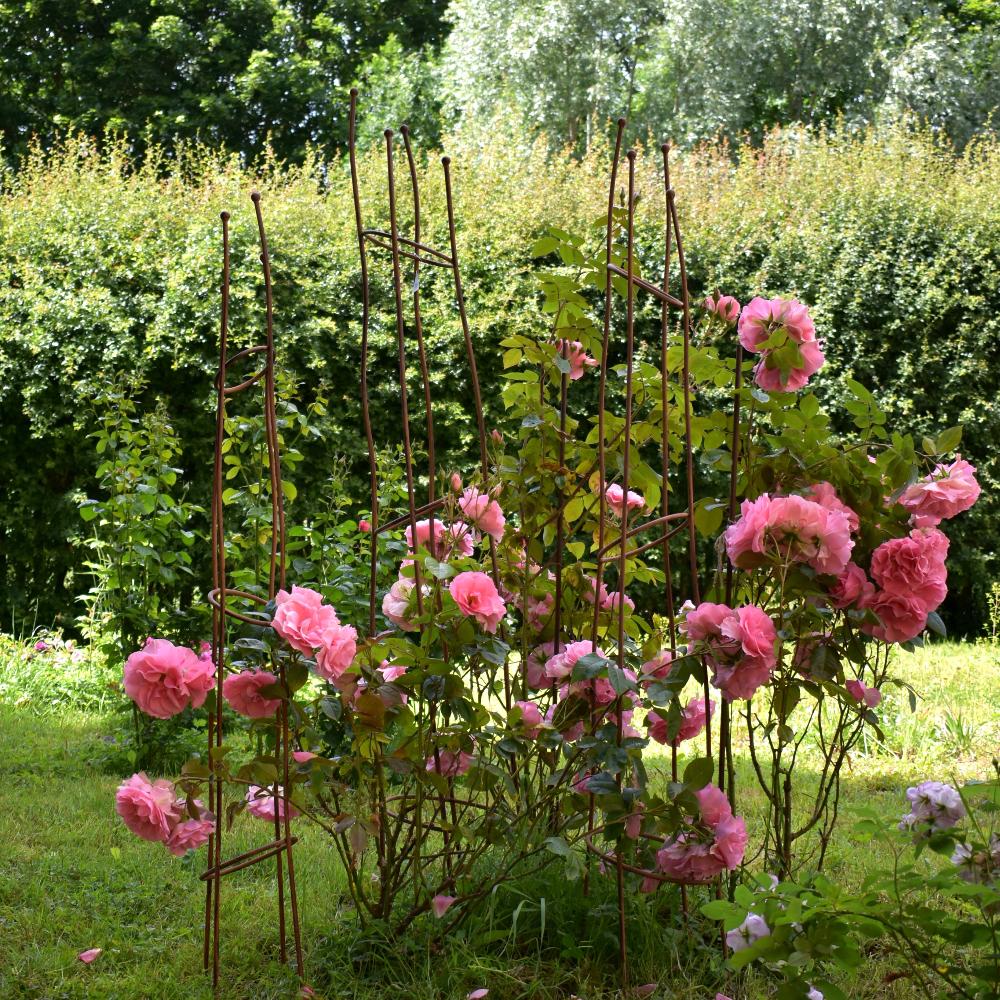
(870, 696)
(242, 691)
(163, 679)
(723, 306)
(539, 611)
(768, 375)
(148, 808)
(449, 763)
(302, 618)
(614, 599)
(261, 803)
(937, 805)
(89, 955)
(534, 667)
(853, 589)
(391, 672)
(456, 482)
(947, 491)
(484, 512)
(658, 667)
(588, 590)
(531, 718)
(751, 930)
(913, 567)
(579, 359)
(740, 644)
(303, 756)
(396, 602)
(440, 904)
(337, 648)
(453, 539)
(476, 596)
(617, 499)
(560, 665)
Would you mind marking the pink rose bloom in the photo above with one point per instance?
(395, 602)
(364, 526)
(753, 629)
(540, 611)
(560, 665)
(449, 763)
(689, 861)
(724, 306)
(391, 673)
(658, 667)
(614, 599)
(261, 803)
(782, 320)
(617, 500)
(869, 696)
(579, 359)
(713, 805)
(190, 834)
(476, 596)
(148, 808)
(302, 618)
(705, 622)
(741, 679)
(534, 667)
(913, 567)
(531, 718)
(853, 589)
(163, 679)
(770, 378)
(242, 691)
(484, 512)
(693, 720)
(730, 841)
(338, 644)
(761, 318)
(790, 527)
(453, 539)
(902, 617)
(589, 588)
(947, 491)
(826, 496)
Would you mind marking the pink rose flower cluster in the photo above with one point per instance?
(739, 643)
(153, 811)
(933, 805)
(449, 763)
(774, 328)
(794, 528)
(164, 679)
(308, 624)
(693, 720)
(718, 845)
(947, 491)
(483, 512)
(243, 692)
(910, 575)
(439, 539)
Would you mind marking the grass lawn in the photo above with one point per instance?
(72, 877)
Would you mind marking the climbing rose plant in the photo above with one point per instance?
(497, 720)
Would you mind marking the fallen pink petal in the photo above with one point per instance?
(89, 955)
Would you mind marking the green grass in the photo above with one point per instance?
(72, 877)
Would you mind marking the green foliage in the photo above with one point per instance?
(111, 267)
(238, 74)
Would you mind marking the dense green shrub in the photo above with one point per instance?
(109, 267)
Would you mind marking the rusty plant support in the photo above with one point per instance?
(280, 848)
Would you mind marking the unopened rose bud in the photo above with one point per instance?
(497, 436)
(456, 482)
(364, 526)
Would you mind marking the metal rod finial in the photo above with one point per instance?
(631, 154)
(404, 129)
(224, 216)
(255, 196)
(388, 133)
(445, 161)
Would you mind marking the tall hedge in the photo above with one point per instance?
(106, 266)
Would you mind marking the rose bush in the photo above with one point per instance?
(506, 711)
